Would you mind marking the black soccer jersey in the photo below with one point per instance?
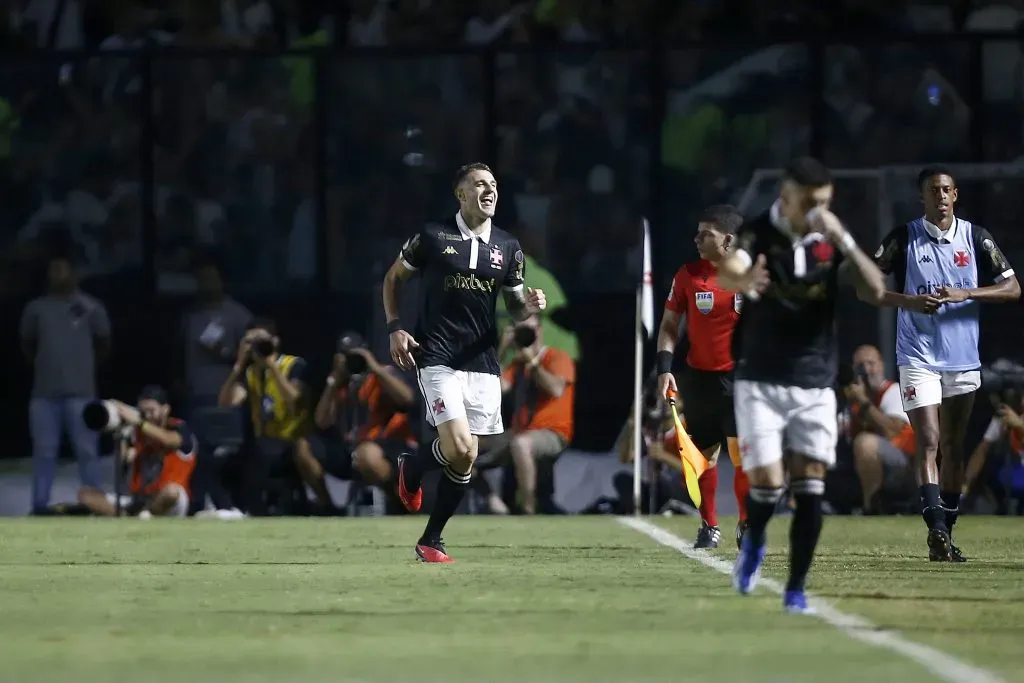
(462, 275)
(789, 333)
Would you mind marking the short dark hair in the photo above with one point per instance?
(808, 172)
(725, 217)
(469, 168)
(932, 170)
(263, 324)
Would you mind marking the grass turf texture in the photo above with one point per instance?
(556, 599)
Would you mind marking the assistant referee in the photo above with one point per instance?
(709, 314)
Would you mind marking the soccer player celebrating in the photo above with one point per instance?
(938, 261)
(710, 314)
(464, 262)
(787, 362)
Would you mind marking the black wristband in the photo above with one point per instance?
(663, 362)
(394, 326)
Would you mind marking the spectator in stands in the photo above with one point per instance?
(368, 403)
(211, 330)
(883, 441)
(1005, 480)
(274, 385)
(161, 454)
(64, 334)
(540, 386)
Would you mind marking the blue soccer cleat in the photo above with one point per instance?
(795, 602)
(747, 569)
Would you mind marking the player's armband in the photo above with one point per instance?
(413, 254)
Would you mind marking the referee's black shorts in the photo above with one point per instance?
(707, 405)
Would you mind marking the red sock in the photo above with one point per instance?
(741, 487)
(708, 484)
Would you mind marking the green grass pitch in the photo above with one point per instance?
(544, 599)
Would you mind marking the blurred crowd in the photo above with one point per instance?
(286, 23)
(287, 159)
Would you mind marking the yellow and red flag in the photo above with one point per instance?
(694, 463)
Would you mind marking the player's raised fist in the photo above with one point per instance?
(760, 278)
(827, 223)
(535, 300)
(402, 346)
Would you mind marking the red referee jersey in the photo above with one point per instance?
(711, 314)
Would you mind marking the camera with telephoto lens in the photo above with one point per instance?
(347, 345)
(102, 416)
(524, 336)
(263, 347)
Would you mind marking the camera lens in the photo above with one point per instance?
(263, 347)
(356, 363)
(524, 336)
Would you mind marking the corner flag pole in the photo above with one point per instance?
(638, 368)
(644, 328)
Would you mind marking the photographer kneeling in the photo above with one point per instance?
(540, 383)
(160, 450)
(274, 384)
(883, 440)
(368, 403)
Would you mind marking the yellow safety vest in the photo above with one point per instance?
(271, 415)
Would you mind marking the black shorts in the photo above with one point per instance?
(707, 404)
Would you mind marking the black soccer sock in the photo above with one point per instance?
(951, 501)
(931, 507)
(427, 460)
(804, 530)
(761, 504)
(451, 489)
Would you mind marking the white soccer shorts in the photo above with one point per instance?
(774, 418)
(922, 387)
(452, 394)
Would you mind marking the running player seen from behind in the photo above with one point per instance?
(710, 314)
(464, 262)
(938, 262)
(787, 362)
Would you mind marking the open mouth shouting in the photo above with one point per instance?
(487, 202)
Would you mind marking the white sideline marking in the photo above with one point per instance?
(939, 663)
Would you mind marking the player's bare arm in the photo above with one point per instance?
(1006, 291)
(401, 342)
(668, 338)
(738, 272)
(522, 303)
(919, 303)
(891, 254)
(867, 278)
